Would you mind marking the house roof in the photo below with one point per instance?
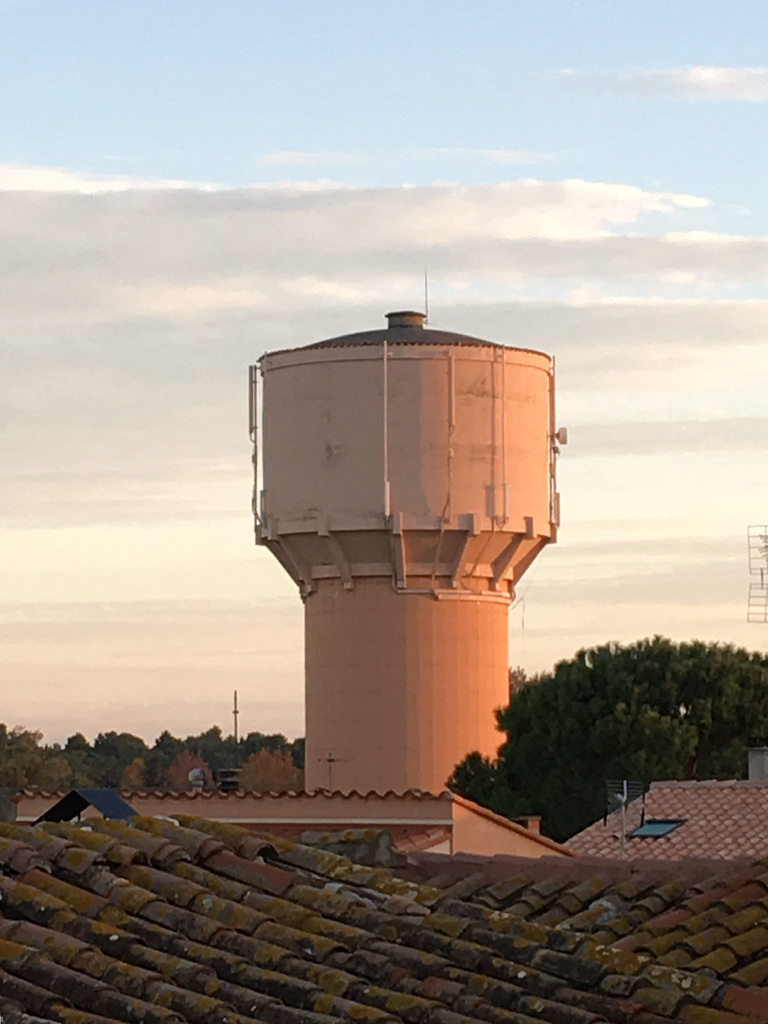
(719, 819)
(154, 922)
(416, 819)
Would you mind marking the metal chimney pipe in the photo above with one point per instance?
(757, 764)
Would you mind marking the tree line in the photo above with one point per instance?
(646, 711)
(121, 760)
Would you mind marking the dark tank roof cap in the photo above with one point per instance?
(406, 318)
(405, 327)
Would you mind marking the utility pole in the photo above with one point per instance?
(235, 714)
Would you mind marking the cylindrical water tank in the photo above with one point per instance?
(408, 483)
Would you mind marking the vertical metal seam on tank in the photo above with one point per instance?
(493, 437)
(551, 439)
(253, 433)
(446, 513)
(385, 411)
(504, 486)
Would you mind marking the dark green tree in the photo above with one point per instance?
(650, 710)
(112, 753)
(158, 761)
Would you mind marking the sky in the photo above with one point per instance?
(185, 185)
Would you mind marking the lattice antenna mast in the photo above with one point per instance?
(757, 545)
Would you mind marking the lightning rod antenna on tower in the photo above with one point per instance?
(426, 296)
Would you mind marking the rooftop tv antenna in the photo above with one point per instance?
(757, 546)
(620, 793)
(235, 715)
(331, 761)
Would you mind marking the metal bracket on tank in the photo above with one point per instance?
(338, 557)
(504, 560)
(398, 550)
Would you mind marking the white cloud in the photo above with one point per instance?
(19, 178)
(691, 83)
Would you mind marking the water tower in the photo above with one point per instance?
(408, 483)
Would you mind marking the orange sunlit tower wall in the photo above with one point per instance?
(408, 483)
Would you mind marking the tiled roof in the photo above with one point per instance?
(409, 795)
(721, 819)
(153, 922)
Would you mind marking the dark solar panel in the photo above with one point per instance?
(106, 802)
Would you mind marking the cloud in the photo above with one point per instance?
(738, 434)
(129, 313)
(692, 83)
(19, 178)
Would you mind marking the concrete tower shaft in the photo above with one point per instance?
(408, 483)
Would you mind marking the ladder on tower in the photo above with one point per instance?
(757, 603)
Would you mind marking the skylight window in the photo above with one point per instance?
(655, 828)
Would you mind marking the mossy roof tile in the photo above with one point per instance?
(339, 939)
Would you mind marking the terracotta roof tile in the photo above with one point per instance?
(721, 819)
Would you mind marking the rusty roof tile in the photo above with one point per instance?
(227, 888)
(25, 901)
(198, 845)
(703, 942)
(745, 918)
(708, 1015)
(744, 896)
(720, 961)
(120, 893)
(19, 857)
(177, 919)
(256, 875)
(754, 973)
(73, 986)
(159, 850)
(115, 852)
(506, 890)
(32, 997)
(58, 945)
(79, 900)
(751, 1002)
(111, 1003)
(663, 1001)
(747, 945)
(553, 916)
(172, 887)
(314, 947)
(285, 911)
(241, 841)
(664, 943)
(678, 957)
(47, 846)
(668, 920)
(714, 916)
(69, 1015)
(698, 904)
(77, 861)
